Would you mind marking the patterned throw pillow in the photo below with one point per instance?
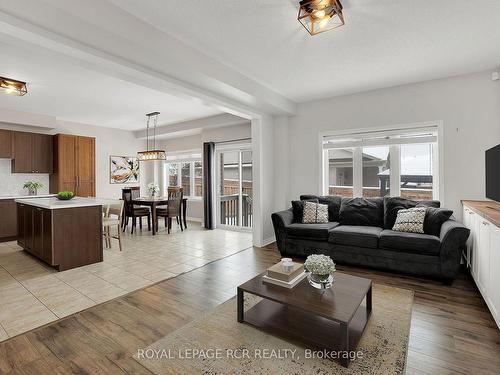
(315, 213)
(410, 220)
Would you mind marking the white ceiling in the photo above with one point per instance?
(384, 42)
(61, 87)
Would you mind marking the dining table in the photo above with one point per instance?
(153, 202)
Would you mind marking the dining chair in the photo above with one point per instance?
(171, 210)
(113, 217)
(173, 190)
(132, 211)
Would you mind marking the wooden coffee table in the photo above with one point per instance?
(332, 319)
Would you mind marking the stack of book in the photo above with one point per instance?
(277, 276)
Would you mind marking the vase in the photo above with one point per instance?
(320, 281)
(32, 191)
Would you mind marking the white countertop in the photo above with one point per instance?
(54, 203)
(26, 196)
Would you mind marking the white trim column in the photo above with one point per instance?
(395, 178)
(263, 179)
(357, 172)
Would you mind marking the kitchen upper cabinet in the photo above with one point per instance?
(22, 157)
(43, 152)
(32, 153)
(74, 165)
(5, 144)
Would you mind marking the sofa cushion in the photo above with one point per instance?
(311, 231)
(393, 204)
(298, 209)
(352, 235)
(409, 242)
(362, 211)
(434, 218)
(332, 201)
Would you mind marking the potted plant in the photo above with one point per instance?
(153, 188)
(321, 269)
(32, 187)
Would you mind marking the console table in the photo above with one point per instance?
(483, 250)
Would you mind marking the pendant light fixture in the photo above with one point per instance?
(153, 154)
(13, 87)
(318, 16)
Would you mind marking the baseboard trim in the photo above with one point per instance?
(268, 241)
(196, 219)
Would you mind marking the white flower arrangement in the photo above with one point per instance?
(153, 188)
(319, 264)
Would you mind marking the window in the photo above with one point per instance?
(187, 174)
(186, 179)
(376, 172)
(340, 171)
(399, 162)
(173, 174)
(198, 178)
(417, 171)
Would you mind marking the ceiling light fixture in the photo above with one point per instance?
(318, 16)
(13, 87)
(153, 154)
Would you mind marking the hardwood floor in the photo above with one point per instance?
(452, 331)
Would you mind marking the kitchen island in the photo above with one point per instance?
(64, 234)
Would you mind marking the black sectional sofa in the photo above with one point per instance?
(359, 233)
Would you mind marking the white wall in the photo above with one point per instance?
(468, 106)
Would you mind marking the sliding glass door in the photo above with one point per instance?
(234, 188)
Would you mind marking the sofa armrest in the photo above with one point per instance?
(453, 238)
(280, 221)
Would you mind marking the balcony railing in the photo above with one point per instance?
(229, 210)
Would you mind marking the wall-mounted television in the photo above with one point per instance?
(493, 173)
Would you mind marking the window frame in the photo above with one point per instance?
(192, 183)
(395, 160)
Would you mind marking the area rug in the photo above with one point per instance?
(217, 344)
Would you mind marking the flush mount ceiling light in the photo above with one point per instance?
(318, 16)
(13, 87)
(153, 154)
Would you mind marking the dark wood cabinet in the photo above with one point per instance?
(74, 166)
(28, 228)
(8, 220)
(43, 150)
(22, 157)
(5, 144)
(32, 153)
(65, 238)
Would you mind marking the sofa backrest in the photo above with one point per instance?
(362, 211)
(376, 212)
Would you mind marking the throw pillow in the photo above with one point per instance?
(361, 211)
(393, 204)
(315, 213)
(434, 218)
(410, 220)
(333, 202)
(298, 209)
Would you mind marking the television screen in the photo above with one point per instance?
(493, 173)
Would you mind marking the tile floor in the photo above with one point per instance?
(33, 294)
